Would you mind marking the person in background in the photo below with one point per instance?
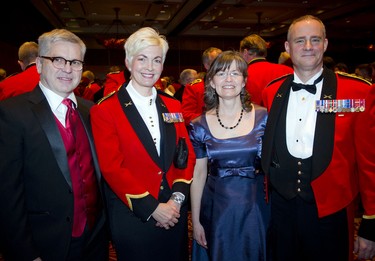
(186, 76)
(3, 74)
(114, 79)
(260, 72)
(167, 85)
(50, 184)
(372, 72)
(364, 71)
(26, 80)
(88, 87)
(136, 132)
(192, 99)
(341, 67)
(314, 156)
(229, 212)
(329, 62)
(284, 58)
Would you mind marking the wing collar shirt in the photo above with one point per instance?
(55, 102)
(301, 119)
(146, 107)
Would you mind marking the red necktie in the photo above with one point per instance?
(71, 115)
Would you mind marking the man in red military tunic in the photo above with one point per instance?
(316, 155)
(192, 98)
(26, 80)
(260, 72)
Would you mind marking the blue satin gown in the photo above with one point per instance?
(234, 212)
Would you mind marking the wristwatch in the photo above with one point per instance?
(178, 197)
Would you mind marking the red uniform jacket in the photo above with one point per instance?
(260, 74)
(113, 82)
(341, 163)
(90, 91)
(193, 100)
(127, 154)
(19, 83)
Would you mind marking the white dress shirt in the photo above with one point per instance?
(301, 119)
(146, 107)
(55, 102)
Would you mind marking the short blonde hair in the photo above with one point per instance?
(142, 39)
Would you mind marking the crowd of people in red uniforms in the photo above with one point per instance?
(269, 85)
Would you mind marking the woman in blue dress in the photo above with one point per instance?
(230, 214)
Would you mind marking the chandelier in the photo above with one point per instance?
(114, 42)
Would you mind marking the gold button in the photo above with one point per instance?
(299, 163)
(160, 172)
(299, 172)
(298, 181)
(299, 190)
(161, 187)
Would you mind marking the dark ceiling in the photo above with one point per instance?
(345, 20)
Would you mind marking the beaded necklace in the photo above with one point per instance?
(222, 125)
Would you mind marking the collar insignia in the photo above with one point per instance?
(128, 104)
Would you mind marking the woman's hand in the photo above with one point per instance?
(199, 235)
(167, 214)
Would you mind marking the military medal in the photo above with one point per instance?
(334, 106)
(173, 117)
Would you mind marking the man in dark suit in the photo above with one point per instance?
(50, 184)
(314, 156)
(26, 80)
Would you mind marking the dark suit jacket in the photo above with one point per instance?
(36, 196)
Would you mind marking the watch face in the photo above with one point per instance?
(178, 197)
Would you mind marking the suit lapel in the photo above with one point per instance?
(281, 97)
(138, 124)
(47, 121)
(168, 135)
(325, 126)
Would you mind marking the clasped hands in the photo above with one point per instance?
(167, 214)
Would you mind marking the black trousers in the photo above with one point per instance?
(297, 233)
(97, 249)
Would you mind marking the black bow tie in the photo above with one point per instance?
(311, 88)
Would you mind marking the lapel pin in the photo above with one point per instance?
(128, 104)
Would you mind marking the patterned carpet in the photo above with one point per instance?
(112, 252)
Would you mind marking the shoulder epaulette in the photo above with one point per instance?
(196, 81)
(165, 94)
(115, 72)
(278, 79)
(353, 76)
(106, 97)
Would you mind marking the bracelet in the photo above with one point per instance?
(178, 197)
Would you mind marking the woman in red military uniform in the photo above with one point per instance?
(136, 133)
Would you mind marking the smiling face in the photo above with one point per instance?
(61, 81)
(146, 68)
(306, 45)
(228, 83)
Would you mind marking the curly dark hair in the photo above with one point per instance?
(221, 63)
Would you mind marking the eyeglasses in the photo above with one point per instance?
(59, 63)
(224, 75)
